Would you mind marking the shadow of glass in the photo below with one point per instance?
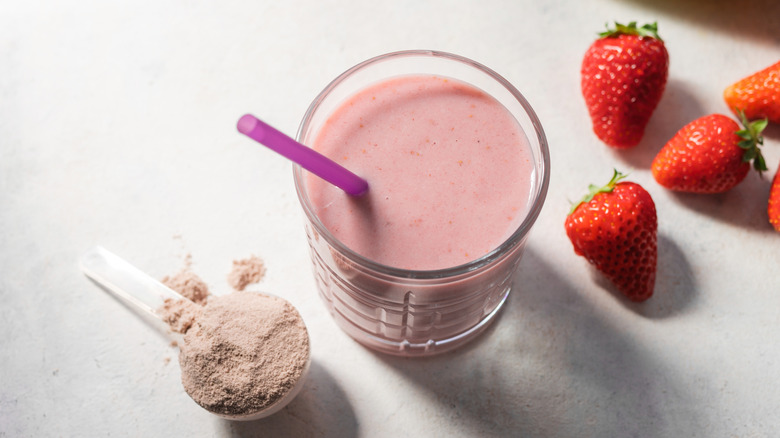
(321, 409)
(553, 365)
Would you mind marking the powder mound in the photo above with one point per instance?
(189, 285)
(180, 315)
(244, 352)
(246, 272)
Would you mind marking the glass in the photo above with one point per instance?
(411, 312)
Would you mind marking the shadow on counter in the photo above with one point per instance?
(321, 409)
(752, 19)
(743, 206)
(555, 364)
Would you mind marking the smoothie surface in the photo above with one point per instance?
(449, 171)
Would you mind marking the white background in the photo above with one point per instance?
(117, 127)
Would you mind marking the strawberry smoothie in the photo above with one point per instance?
(449, 169)
(458, 168)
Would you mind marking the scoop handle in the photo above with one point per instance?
(125, 280)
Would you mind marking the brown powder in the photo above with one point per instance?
(189, 285)
(246, 272)
(180, 315)
(243, 353)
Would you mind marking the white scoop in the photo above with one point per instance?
(149, 295)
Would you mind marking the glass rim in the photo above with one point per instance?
(537, 198)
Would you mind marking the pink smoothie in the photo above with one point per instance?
(449, 170)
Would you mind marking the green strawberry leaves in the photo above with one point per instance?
(751, 139)
(649, 30)
(594, 190)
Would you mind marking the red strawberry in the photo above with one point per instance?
(710, 155)
(614, 227)
(758, 95)
(773, 208)
(623, 77)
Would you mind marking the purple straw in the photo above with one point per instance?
(307, 158)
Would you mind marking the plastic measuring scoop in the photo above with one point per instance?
(306, 157)
(126, 281)
(148, 294)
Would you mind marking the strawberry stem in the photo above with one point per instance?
(649, 30)
(751, 139)
(594, 190)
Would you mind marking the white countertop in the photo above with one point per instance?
(117, 127)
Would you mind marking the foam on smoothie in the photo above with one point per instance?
(449, 168)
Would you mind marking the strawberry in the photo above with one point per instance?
(623, 77)
(710, 155)
(773, 208)
(614, 227)
(757, 95)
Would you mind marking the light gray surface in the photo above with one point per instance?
(117, 127)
